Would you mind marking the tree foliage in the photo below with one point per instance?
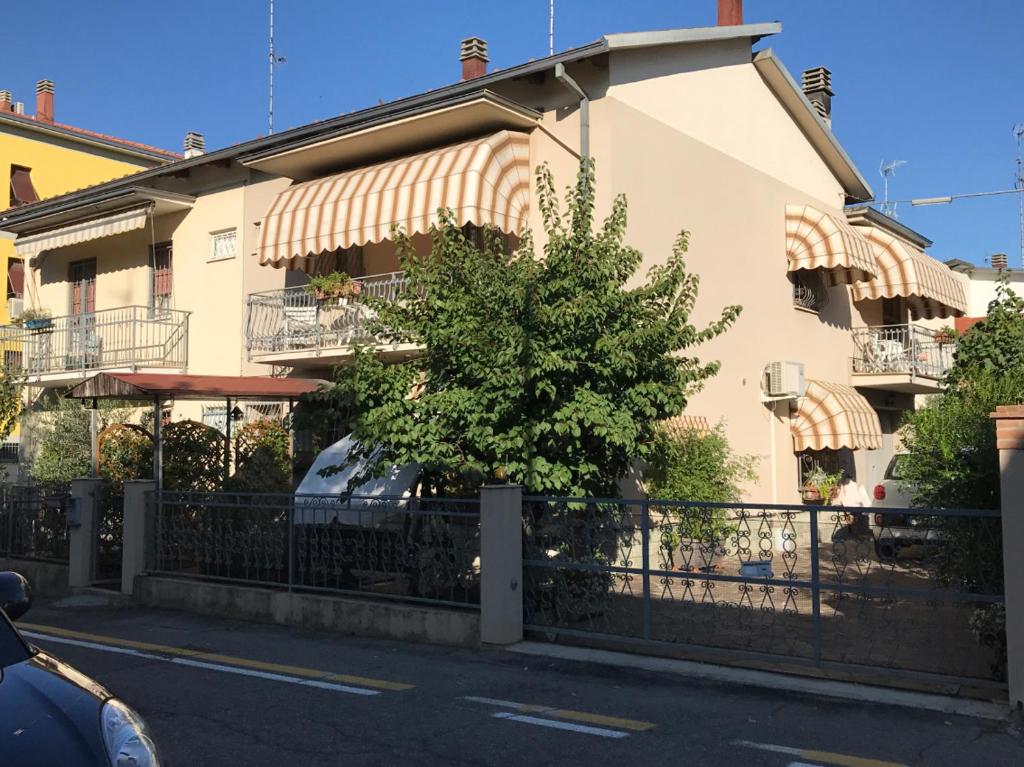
(12, 385)
(262, 461)
(694, 465)
(60, 431)
(993, 347)
(193, 457)
(125, 453)
(548, 370)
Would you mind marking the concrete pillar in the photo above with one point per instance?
(83, 524)
(139, 532)
(501, 564)
(1010, 441)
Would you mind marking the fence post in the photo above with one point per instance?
(82, 535)
(139, 532)
(501, 564)
(1010, 441)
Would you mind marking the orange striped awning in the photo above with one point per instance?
(679, 425)
(832, 416)
(931, 288)
(485, 181)
(819, 240)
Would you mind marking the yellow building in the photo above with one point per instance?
(41, 158)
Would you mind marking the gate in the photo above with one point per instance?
(33, 522)
(883, 592)
(109, 532)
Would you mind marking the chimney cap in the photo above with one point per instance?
(473, 48)
(195, 144)
(817, 79)
(44, 86)
(1000, 261)
(5, 95)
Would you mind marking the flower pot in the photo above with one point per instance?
(810, 495)
(943, 338)
(39, 324)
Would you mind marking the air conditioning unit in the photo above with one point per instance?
(15, 306)
(784, 380)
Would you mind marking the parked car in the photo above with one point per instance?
(894, 533)
(54, 715)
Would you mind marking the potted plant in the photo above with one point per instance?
(820, 486)
(35, 319)
(334, 285)
(945, 335)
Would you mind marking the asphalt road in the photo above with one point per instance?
(218, 692)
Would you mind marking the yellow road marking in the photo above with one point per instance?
(279, 668)
(565, 713)
(845, 760)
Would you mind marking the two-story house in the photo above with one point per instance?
(694, 126)
(42, 158)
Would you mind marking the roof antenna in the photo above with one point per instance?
(551, 27)
(274, 61)
(1018, 134)
(887, 170)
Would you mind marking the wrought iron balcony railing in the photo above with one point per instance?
(126, 337)
(294, 319)
(910, 349)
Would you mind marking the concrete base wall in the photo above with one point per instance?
(47, 579)
(344, 615)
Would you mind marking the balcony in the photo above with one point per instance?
(905, 358)
(64, 350)
(291, 327)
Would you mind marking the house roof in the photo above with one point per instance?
(778, 79)
(83, 135)
(184, 387)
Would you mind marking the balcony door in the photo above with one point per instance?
(83, 343)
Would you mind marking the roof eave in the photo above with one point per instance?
(753, 32)
(27, 123)
(785, 88)
(868, 216)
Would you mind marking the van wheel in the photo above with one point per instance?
(887, 550)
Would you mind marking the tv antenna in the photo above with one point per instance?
(551, 27)
(888, 170)
(1018, 184)
(274, 60)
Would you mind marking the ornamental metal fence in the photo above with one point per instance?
(389, 547)
(33, 522)
(891, 591)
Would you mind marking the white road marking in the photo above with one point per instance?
(770, 747)
(205, 665)
(495, 702)
(556, 725)
(803, 764)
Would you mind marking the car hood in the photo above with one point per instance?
(50, 715)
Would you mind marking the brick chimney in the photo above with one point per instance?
(473, 55)
(44, 101)
(817, 87)
(6, 104)
(730, 13)
(195, 144)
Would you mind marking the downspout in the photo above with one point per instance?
(563, 77)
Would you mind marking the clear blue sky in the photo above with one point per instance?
(937, 83)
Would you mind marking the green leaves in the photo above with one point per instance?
(538, 368)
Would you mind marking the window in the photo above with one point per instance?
(12, 360)
(223, 244)
(163, 276)
(15, 278)
(22, 190)
(809, 289)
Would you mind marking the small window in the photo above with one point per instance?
(22, 189)
(809, 289)
(223, 244)
(12, 360)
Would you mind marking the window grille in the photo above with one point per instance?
(223, 244)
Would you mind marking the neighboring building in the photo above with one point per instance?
(696, 129)
(42, 158)
(981, 286)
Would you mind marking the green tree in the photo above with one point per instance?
(697, 466)
(262, 462)
(993, 347)
(12, 385)
(546, 370)
(60, 428)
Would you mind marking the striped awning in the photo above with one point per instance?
(832, 416)
(819, 240)
(679, 425)
(114, 223)
(931, 288)
(485, 181)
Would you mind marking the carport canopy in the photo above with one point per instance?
(158, 387)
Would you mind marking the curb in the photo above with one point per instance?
(769, 680)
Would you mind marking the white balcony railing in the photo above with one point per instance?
(293, 319)
(902, 349)
(126, 337)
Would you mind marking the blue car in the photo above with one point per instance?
(52, 715)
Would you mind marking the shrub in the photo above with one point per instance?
(262, 463)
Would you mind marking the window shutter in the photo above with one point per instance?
(22, 190)
(163, 272)
(15, 278)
